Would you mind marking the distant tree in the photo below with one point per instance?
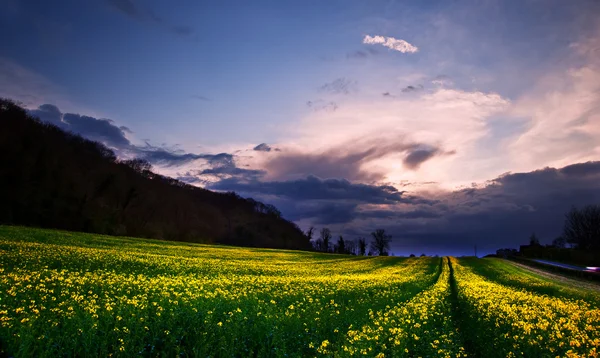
(341, 245)
(141, 166)
(325, 238)
(318, 245)
(310, 232)
(362, 246)
(423, 255)
(381, 242)
(350, 247)
(533, 240)
(559, 242)
(582, 227)
(412, 255)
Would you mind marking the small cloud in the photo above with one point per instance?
(200, 98)
(442, 80)
(412, 88)
(391, 43)
(386, 94)
(320, 105)
(263, 147)
(339, 86)
(418, 156)
(127, 7)
(357, 54)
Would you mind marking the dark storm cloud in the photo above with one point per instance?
(102, 130)
(96, 129)
(314, 188)
(503, 213)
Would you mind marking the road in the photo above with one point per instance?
(567, 266)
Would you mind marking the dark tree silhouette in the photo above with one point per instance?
(559, 242)
(362, 246)
(325, 239)
(533, 240)
(50, 178)
(381, 242)
(350, 247)
(582, 227)
(341, 246)
(310, 232)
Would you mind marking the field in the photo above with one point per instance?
(73, 294)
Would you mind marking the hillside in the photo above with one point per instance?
(50, 178)
(74, 294)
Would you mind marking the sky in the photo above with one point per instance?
(451, 124)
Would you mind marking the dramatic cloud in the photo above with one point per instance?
(349, 160)
(391, 43)
(100, 130)
(503, 212)
(372, 140)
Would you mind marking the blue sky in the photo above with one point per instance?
(492, 87)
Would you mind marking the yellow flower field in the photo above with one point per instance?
(73, 294)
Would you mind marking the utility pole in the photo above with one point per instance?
(475, 247)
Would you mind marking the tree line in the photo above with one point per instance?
(579, 242)
(54, 179)
(379, 245)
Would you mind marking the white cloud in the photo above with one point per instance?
(391, 43)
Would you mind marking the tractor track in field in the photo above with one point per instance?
(457, 314)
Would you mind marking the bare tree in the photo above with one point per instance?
(350, 247)
(381, 242)
(362, 246)
(582, 227)
(325, 238)
(310, 232)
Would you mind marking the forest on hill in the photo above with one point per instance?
(51, 178)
